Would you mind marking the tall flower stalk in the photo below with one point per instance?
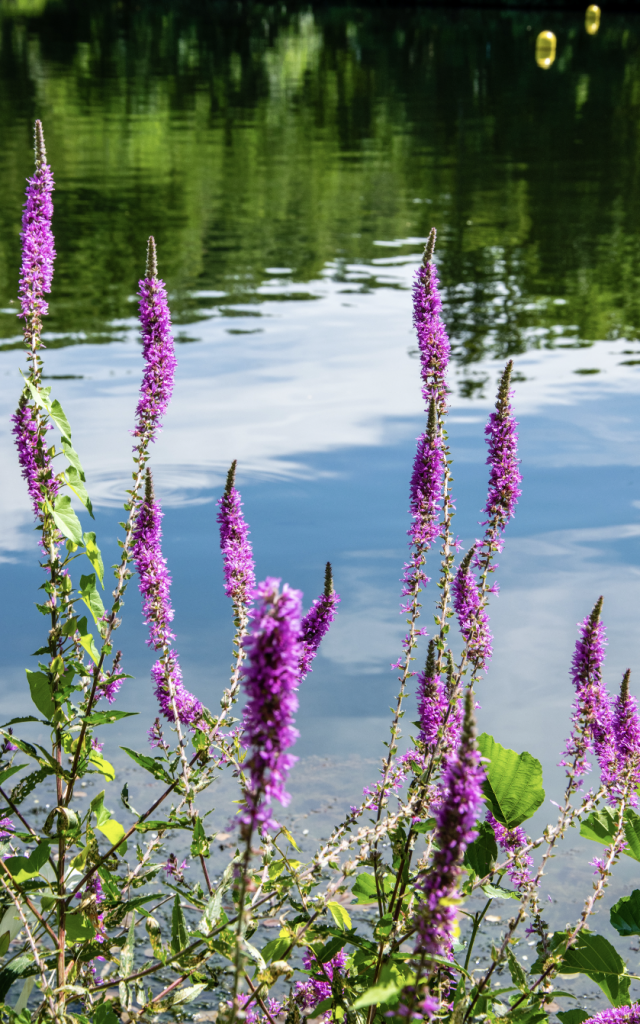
(455, 821)
(315, 624)
(38, 253)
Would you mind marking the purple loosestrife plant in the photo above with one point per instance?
(316, 622)
(626, 735)
(239, 569)
(270, 681)
(472, 618)
(617, 1015)
(384, 853)
(155, 587)
(438, 888)
(157, 349)
(38, 253)
(433, 340)
(592, 713)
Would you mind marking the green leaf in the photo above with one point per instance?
(8, 772)
(59, 418)
(495, 892)
(156, 825)
(601, 827)
(287, 833)
(76, 483)
(625, 914)
(41, 396)
(482, 854)
(79, 927)
(376, 995)
(41, 695)
(321, 1008)
(88, 643)
(101, 812)
(594, 956)
(513, 785)
(518, 975)
(199, 845)
(103, 1014)
(340, 914)
(18, 968)
(276, 949)
(89, 594)
(365, 889)
(575, 1016)
(179, 934)
(107, 717)
(73, 457)
(25, 786)
(126, 960)
(94, 555)
(114, 832)
(103, 766)
(66, 520)
(150, 764)
(330, 948)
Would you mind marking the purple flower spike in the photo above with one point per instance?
(426, 484)
(432, 337)
(432, 702)
(157, 348)
(270, 680)
(35, 462)
(502, 439)
(472, 618)
(617, 1015)
(626, 732)
(167, 676)
(511, 840)
(592, 717)
(38, 252)
(155, 579)
(239, 570)
(155, 586)
(454, 831)
(316, 622)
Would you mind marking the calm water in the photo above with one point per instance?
(290, 163)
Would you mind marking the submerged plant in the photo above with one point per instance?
(441, 826)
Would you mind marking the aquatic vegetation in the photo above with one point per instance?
(441, 825)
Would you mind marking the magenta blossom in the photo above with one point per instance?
(316, 622)
(239, 569)
(626, 735)
(6, 828)
(155, 579)
(472, 617)
(38, 251)
(433, 342)
(617, 1015)
(270, 680)
(511, 841)
(502, 439)
(157, 349)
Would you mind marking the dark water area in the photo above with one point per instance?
(290, 160)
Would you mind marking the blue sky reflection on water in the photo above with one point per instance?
(322, 409)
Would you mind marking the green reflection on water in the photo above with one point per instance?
(257, 137)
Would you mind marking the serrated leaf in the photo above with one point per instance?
(513, 784)
(365, 889)
(66, 520)
(594, 956)
(94, 555)
(41, 695)
(89, 594)
(575, 1016)
(625, 914)
(150, 764)
(340, 914)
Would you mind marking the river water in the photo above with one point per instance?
(290, 162)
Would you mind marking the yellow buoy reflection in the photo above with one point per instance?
(592, 19)
(545, 49)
